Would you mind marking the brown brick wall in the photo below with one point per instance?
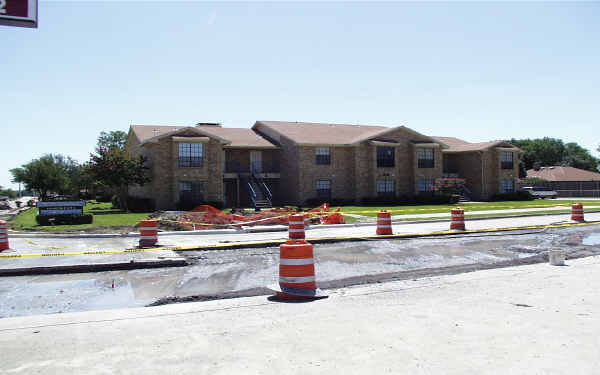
(427, 173)
(340, 172)
(290, 172)
(509, 174)
(166, 173)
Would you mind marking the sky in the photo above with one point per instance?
(478, 71)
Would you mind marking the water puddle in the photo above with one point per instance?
(591, 239)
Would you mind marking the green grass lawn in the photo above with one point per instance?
(468, 207)
(104, 216)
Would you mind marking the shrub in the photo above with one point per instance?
(64, 219)
(115, 202)
(520, 195)
(104, 197)
(136, 204)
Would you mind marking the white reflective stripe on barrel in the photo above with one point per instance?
(384, 226)
(295, 262)
(148, 237)
(384, 219)
(297, 245)
(296, 222)
(458, 222)
(292, 230)
(459, 215)
(3, 239)
(148, 228)
(298, 280)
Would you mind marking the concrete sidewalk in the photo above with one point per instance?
(535, 319)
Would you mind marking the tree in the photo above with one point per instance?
(550, 151)
(8, 192)
(44, 175)
(114, 168)
(546, 151)
(578, 157)
(112, 140)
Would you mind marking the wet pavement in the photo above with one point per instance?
(220, 273)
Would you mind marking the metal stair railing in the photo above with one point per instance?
(262, 185)
(465, 192)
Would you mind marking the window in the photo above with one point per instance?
(507, 160)
(323, 189)
(507, 186)
(425, 185)
(386, 188)
(191, 191)
(190, 154)
(323, 155)
(385, 157)
(425, 157)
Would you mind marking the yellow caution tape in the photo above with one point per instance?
(466, 208)
(276, 242)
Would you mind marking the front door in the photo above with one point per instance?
(256, 161)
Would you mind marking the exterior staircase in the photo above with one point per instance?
(259, 193)
(465, 195)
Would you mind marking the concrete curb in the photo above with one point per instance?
(94, 267)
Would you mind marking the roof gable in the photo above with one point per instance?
(459, 145)
(312, 133)
(231, 137)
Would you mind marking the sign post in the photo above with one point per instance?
(21, 13)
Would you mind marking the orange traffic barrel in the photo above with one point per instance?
(148, 233)
(297, 272)
(3, 235)
(577, 212)
(296, 227)
(384, 222)
(458, 219)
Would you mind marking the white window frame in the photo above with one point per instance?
(425, 154)
(425, 185)
(386, 187)
(507, 186)
(323, 185)
(323, 155)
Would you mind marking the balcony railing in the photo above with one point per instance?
(507, 165)
(264, 167)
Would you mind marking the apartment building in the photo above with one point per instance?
(278, 162)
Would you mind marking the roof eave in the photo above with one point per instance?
(194, 129)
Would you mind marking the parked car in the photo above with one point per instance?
(540, 192)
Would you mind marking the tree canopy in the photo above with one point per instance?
(49, 173)
(112, 140)
(114, 168)
(551, 151)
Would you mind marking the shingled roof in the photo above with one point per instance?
(458, 145)
(313, 133)
(559, 173)
(233, 137)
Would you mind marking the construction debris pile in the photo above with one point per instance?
(208, 217)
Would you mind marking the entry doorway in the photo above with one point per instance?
(256, 161)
